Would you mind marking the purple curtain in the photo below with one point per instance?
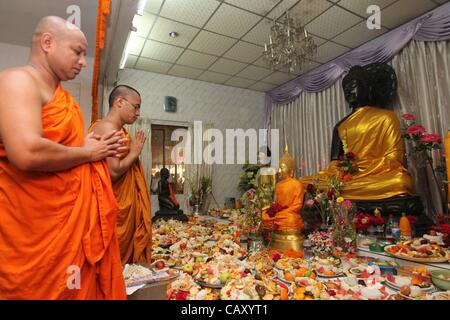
(432, 26)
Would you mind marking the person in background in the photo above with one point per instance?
(130, 187)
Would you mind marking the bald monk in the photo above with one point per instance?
(129, 184)
(57, 207)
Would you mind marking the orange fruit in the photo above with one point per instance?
(301, 272)
(299, 296)
(300, 290)
(284, 294)
(313, 275)
(288, 276)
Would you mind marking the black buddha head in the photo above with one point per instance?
(164, 174)
(383, 82)
(356, 87)
(372, 85)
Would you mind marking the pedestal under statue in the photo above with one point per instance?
(286, 225)
(168, 205)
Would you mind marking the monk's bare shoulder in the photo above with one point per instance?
(16, 82)
(103, 126)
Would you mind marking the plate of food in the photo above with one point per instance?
(290, 275)
(418, 251)
(439, 295)
(397, 282)
(209, 285)
(329, 271)
(409, 293)
(307, 289)
(361, 272)
(328, 260)
(249, 288)
(185, 288)
(135, 275)
(291, 263)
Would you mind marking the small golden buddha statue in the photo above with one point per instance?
(286, 225)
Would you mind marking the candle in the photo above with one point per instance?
(447, 160)
(270, 39)
(306, 34)
(265, 46)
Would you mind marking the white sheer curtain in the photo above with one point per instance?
(423, 71)
(194, 172)
(306, 125)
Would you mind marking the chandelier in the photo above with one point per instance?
(289, 46)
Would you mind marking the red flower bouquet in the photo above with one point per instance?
(362, 221)
(274, 209)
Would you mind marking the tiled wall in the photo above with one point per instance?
(222, 106)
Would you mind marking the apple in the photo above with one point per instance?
(199, 259)
(276, 257)
(183, 245)
(188, 268)
(224, 277)
(160, 264)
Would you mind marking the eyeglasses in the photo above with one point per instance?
(136, 107)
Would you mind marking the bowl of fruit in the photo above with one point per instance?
(441, 279)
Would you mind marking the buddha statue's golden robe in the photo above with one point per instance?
(289, 193)
(373, 135)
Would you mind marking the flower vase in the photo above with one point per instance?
(344, 233)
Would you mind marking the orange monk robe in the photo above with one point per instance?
(57, 228)
(288, 193)
(134, 224)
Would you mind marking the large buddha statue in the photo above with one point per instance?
(168, 205)
(372, 133)
(286, 225)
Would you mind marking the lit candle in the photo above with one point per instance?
(265, 46)
(270, 39)
(306, 34)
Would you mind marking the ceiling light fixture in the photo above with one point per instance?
(289, 46)
(130, 39)
(141, 7)
(173, 34)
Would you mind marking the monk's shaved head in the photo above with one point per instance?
(58, 48)
(121, 91)
(57, 27)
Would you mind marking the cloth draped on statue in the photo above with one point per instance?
(134, 224)
(58, 229)
(172, 195)
(289, 193)
(374, 136)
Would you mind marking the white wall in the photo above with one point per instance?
(80, 87)
(223, 106)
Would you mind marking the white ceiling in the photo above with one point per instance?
(18, 18)
(222, 41)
